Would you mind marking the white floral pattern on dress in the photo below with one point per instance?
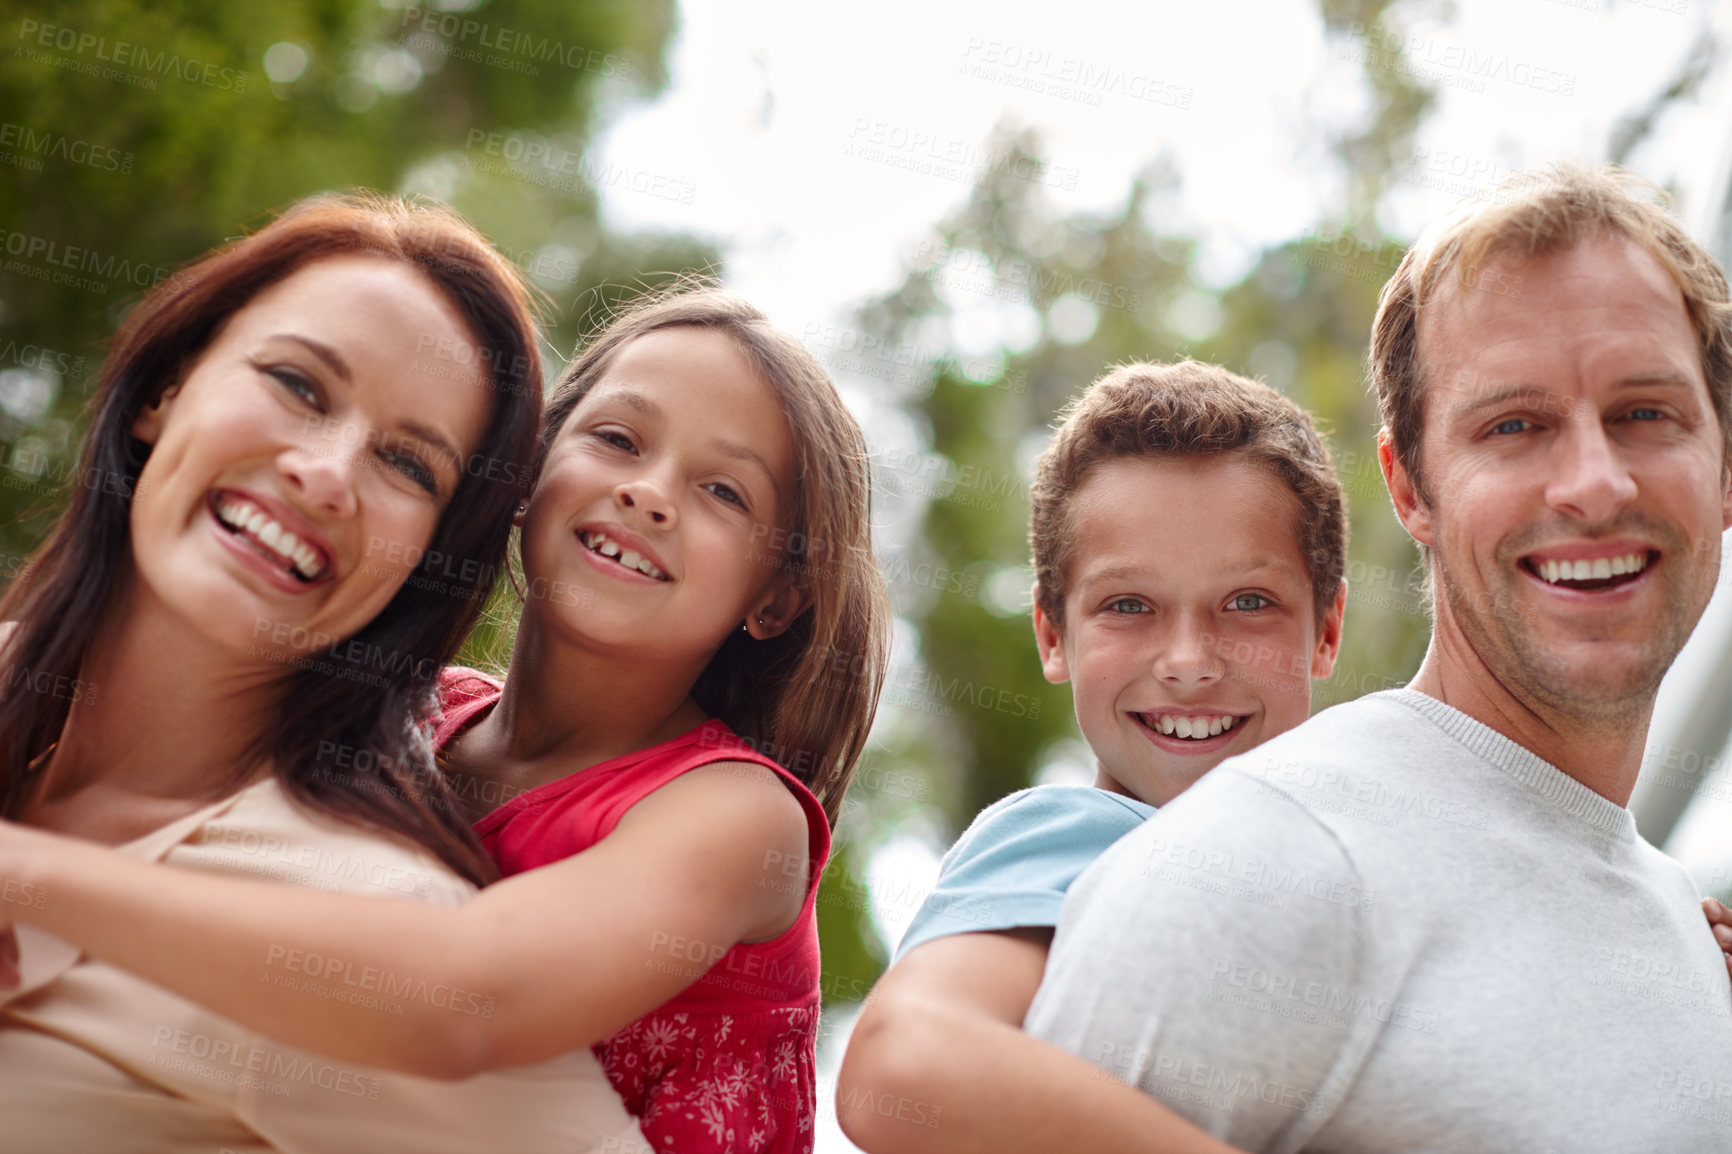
(719, 1083)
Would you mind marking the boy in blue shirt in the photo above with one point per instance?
(1189, 537)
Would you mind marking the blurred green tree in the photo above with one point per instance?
(137, 136)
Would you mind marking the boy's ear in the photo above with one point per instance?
(771, 616)
(1329, 636)
(1050, 642)
(147, 426)
(1410, 509)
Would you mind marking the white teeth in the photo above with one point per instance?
(306, 561)
(1599, 569)
(630, 558)
(258, 525)
(1196, 728)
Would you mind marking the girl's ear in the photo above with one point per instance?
(147, 426)
(771, 616)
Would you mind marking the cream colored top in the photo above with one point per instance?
(92, 1058)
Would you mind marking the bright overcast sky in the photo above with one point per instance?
(797, 121)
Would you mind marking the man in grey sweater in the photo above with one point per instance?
(1424, 920)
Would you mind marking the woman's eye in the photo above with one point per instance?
(726, 493)
(1513, 425)
(1127, 605)
(295, 383)
(617, 440)
(1250, 602)
(411, 467)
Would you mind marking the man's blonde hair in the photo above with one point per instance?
(1533, 213)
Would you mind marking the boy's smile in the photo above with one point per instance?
(1183, 648)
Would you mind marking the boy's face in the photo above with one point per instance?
(1190, 629)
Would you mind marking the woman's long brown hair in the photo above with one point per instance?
(349, 739)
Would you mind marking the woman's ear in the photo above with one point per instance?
(771, 616)
(147, 426)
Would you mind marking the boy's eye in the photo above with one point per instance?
(1250, 602)
(1127, 605)
(726, 492)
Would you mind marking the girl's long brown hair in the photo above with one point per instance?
(349, 739)
(805, 698)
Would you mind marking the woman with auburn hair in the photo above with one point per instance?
(293, 501)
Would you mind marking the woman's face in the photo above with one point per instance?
(301, 465)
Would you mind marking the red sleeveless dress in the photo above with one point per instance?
(730, 1063)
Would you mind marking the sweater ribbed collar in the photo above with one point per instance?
(1521, 765)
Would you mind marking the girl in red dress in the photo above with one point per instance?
(696, 663)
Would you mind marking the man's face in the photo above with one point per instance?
(1575, 494)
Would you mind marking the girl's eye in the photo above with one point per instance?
(617, 440)
(1127, 605)
(1250, 602)
(410, 466)
(726, 493)
(1513, 425)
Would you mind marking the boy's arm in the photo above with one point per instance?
(938, 1062)
(542, 963)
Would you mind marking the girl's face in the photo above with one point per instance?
(658, 519)
(301, 465)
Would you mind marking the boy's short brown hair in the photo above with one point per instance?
(1185, 409)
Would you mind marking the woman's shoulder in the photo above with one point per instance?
(264, 833)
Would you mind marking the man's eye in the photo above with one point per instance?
(1250, 602)
(1513, 425)
(1646, 414)
(1127, 605)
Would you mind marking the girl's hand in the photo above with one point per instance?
(1720, 920)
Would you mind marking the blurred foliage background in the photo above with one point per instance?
(142, 135)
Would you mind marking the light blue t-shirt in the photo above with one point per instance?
(1012, 865)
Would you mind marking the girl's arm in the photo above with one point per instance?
(938, 1062)
(540, 964)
